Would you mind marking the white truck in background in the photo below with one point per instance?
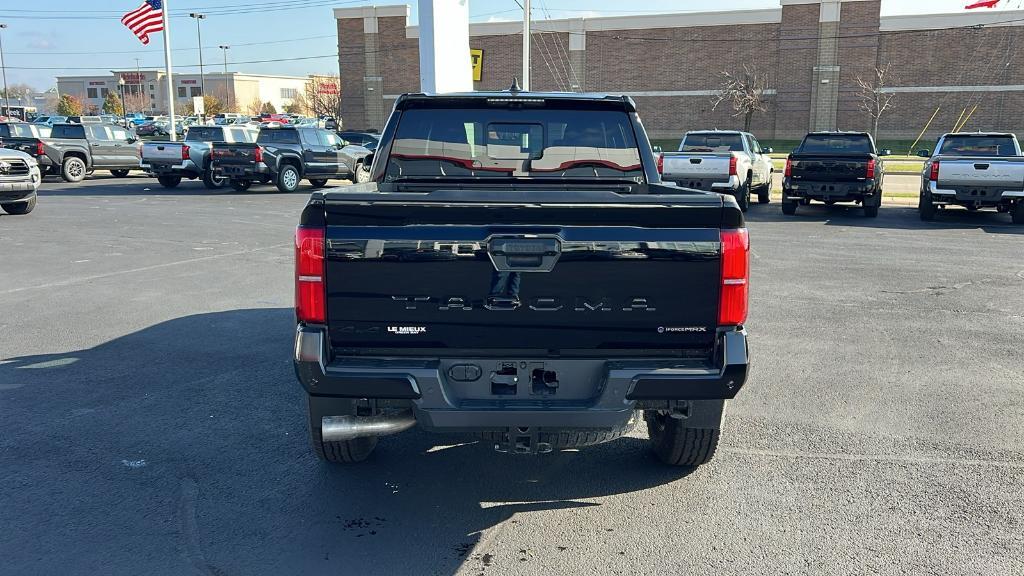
(974, 170)
(723, 161)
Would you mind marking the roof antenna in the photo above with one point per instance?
(515, 85)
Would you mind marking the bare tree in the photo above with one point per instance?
(874, 99)
(323, 96)
(254, 107)
(744, 92)
(137, 102)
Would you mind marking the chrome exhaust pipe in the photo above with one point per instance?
(342, 428)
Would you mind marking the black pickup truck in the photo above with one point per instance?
(516, 269)
(834, 167)
(287, 155)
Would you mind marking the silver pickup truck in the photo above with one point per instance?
(723, 161)
(19, 181)
(169, 162)
(974, 170)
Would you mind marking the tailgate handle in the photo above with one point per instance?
(695, 160)
(519, 254)
(981, 166)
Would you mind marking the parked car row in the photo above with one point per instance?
(973, 170)
(239, 155)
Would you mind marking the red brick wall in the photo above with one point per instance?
(352, 68)
(797, 56)
(858, 57)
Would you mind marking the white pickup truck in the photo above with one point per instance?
(723, 161)
(974, 170)
(169, 162)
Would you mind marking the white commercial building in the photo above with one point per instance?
(239, 92)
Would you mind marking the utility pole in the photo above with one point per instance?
(228, 90)
(138, 85)
(526, 45)
(3, 67)
(202, 81)
(124, 104)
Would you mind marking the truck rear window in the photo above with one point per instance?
(76, 131)
(712, 143)
(533, 143)
(836, 144)
(992, 146)
(278, 136)
(204, 134)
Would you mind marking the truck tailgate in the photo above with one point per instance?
(826, 168)
(685, 165)
(1003, 173)
(27, 145)
(227, 153)
(164, 152)
(633, 275)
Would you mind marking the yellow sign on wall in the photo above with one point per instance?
(477, 56)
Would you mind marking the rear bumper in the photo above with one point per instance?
(831, 191)
(977, 195)
(591, 393)
(717, 184)
(185, 167)
(241, 171)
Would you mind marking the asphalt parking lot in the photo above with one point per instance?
(152, 423)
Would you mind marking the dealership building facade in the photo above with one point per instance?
(236, 90)
(942, 67)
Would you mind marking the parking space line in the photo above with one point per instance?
(142, 269)
(875, 458)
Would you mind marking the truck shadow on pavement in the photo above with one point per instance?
(889, 217)
(139, 185)
(184, 446)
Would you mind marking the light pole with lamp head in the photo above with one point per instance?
(227, 90)
(124, 104)
(202, 81)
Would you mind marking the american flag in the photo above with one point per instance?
(145, 19)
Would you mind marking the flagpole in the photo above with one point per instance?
(173, 132)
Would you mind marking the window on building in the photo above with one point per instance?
(151, 88)
(289, 93)
(182, 92)
(197, 91)
(104, 92)
(92, 93)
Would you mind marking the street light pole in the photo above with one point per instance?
(202, 82)
(124, 105)
(227, 90)
(3, 67)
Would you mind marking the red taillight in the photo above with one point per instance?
(732, 309)
(661, 163)
(257, 154)
(871, 169)
(789, 167)
(934, 175)
(184, 151)
(40, 150)
(732, 166)
(310, 305)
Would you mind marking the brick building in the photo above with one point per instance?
(811, 50)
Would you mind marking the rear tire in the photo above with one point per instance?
(120, 173)
(318, 182)
(288, 179)
(1018, 212)
(347, 452)
(925, 207)
(73, 169)
(764, 196)
(677, 445)
(742, 196)
(788, 206)
(240, 185)
(212, 182)
(871, 211)
(19, 208)
(169, 181)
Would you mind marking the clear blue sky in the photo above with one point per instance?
(68, 34)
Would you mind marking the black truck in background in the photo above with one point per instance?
(516, 269)
(833, 167)
(286, 155)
